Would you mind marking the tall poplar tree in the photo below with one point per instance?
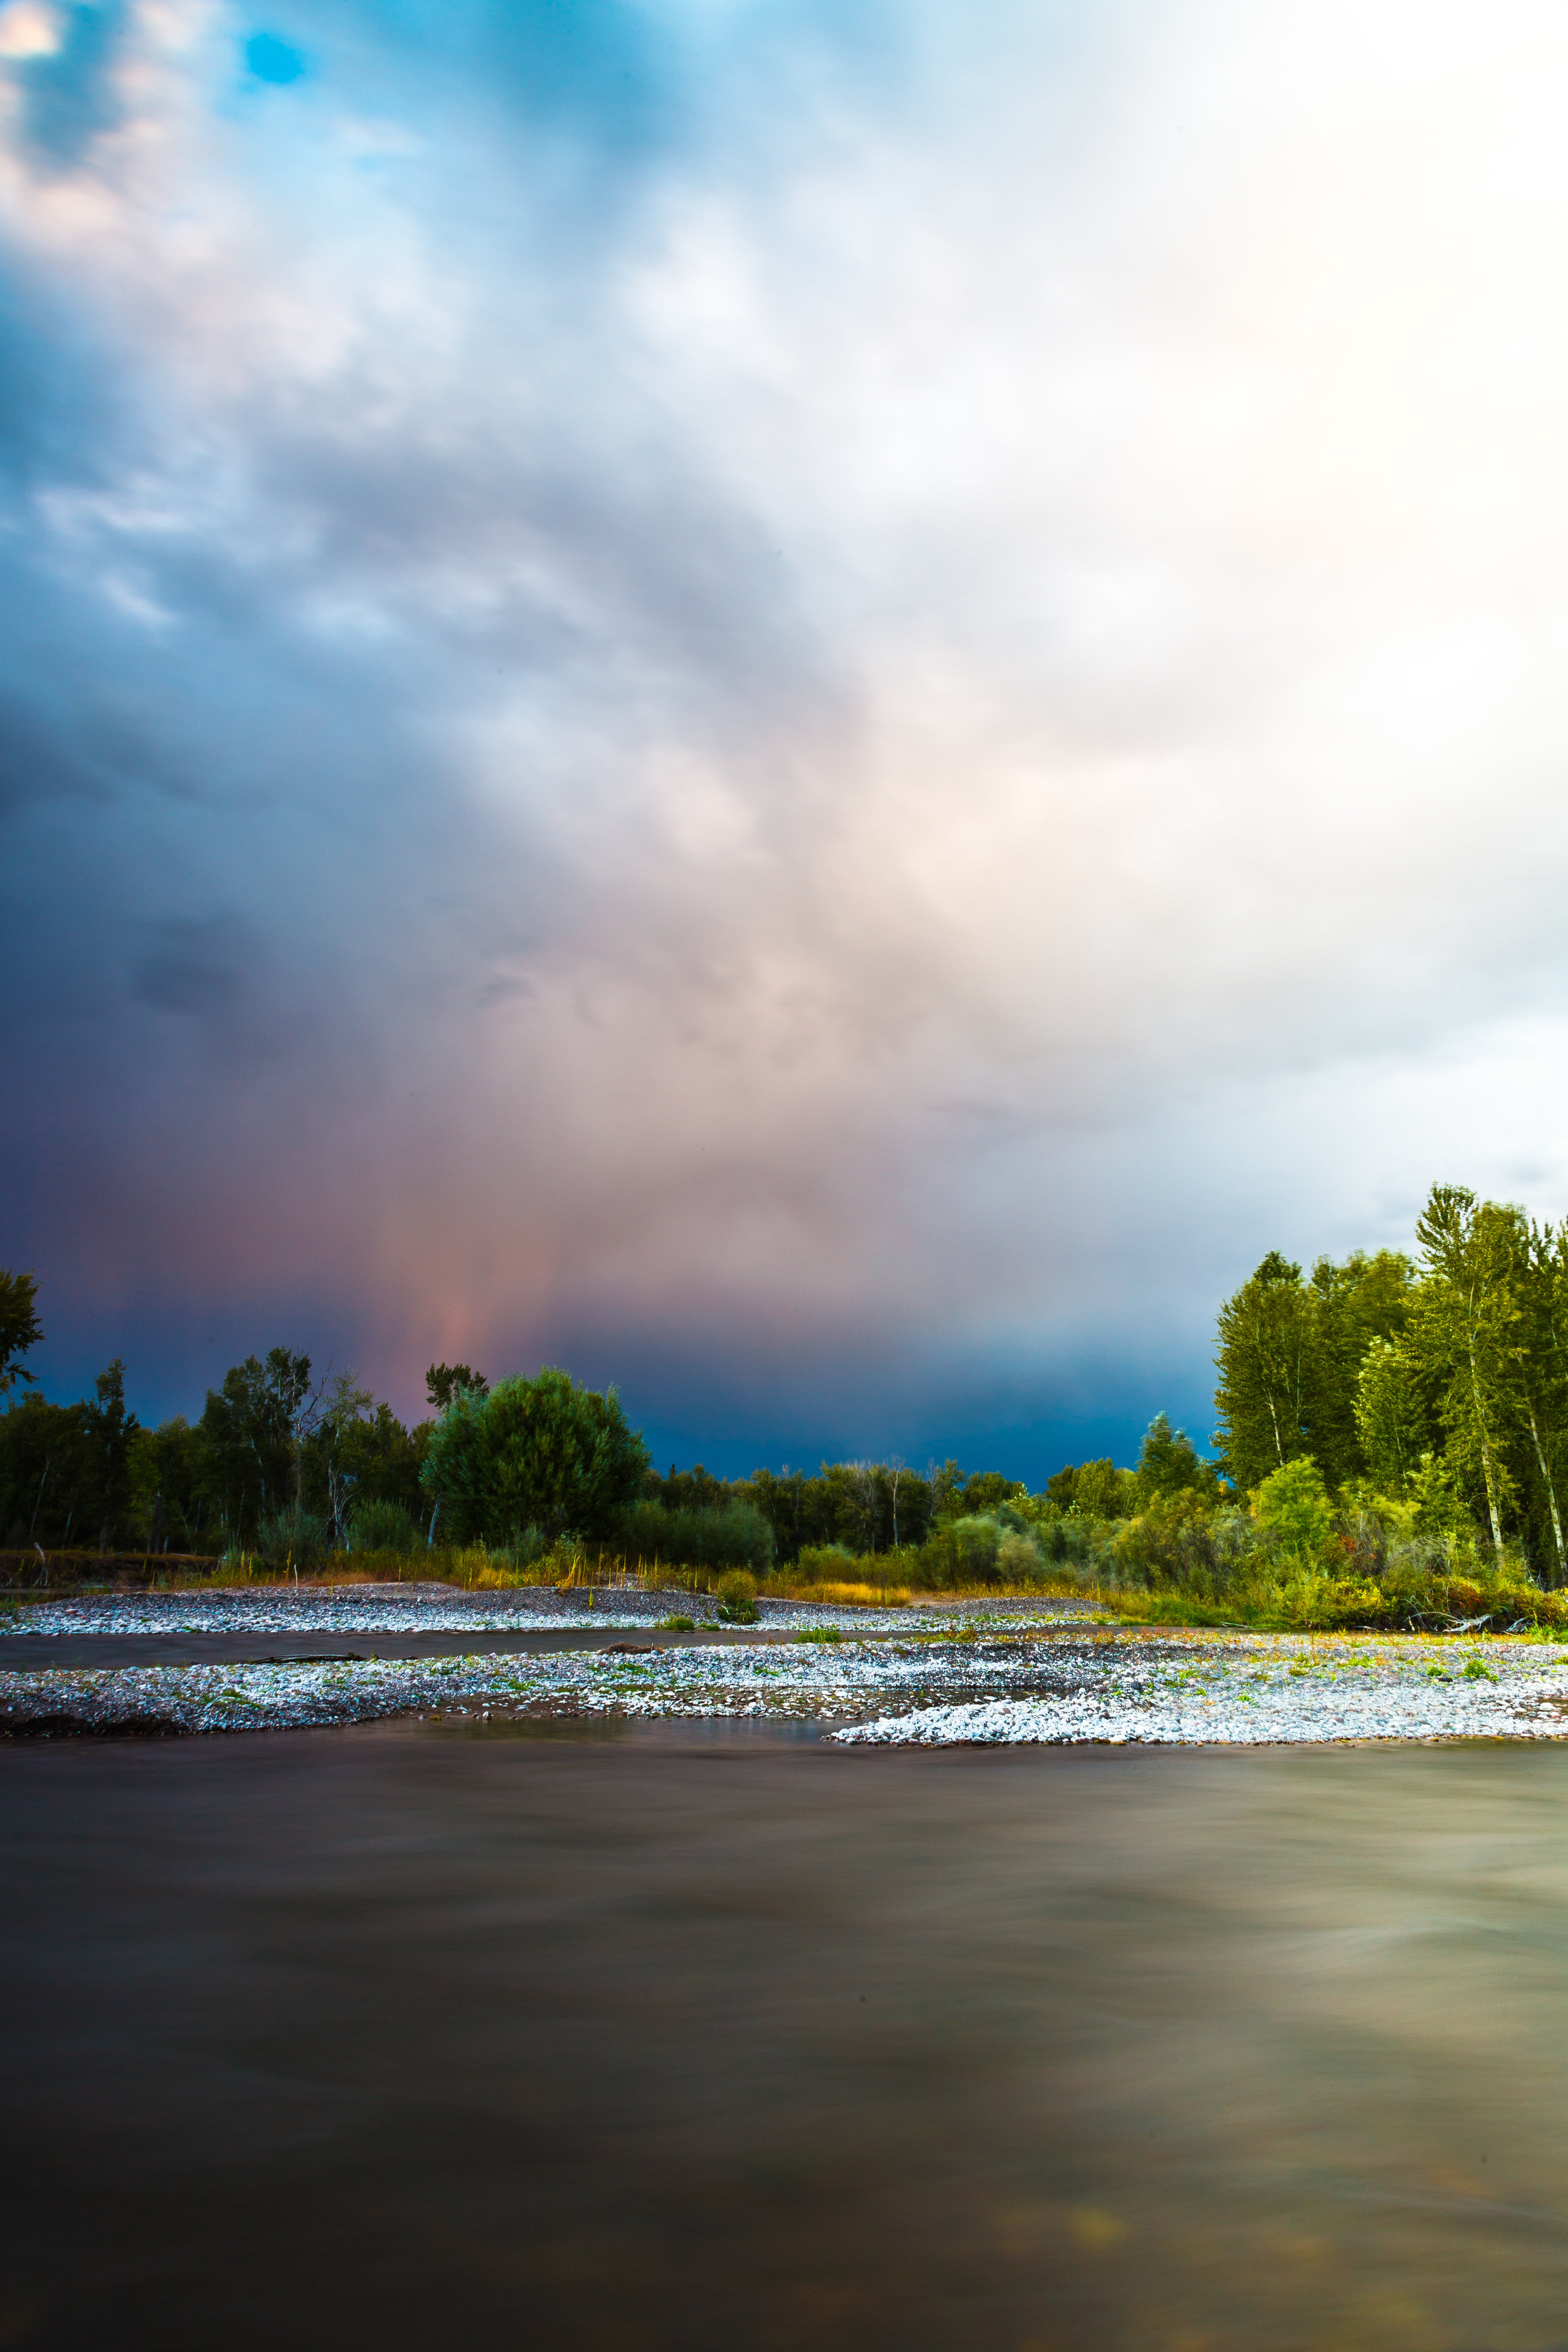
(1390, 1421)
(1270, 1372)
(1540, 1366)
(1465, 1334)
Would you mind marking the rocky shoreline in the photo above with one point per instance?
(908, 1677)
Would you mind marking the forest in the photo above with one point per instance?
(1382, 1422)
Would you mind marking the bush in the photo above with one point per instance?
(822, 1563)
(1019, 1560)
(738, 1598)
(965, 1551)
(524, 1549)
(384, 1527)
(1180, 1541)
(733, 1535)
(292, 1539)
(1293, 1504)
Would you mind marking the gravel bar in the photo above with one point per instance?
(443, 1609)
(1073, 1686)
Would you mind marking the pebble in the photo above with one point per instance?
(1029, 1685)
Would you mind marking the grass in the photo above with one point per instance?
(1284, 1596)
(1304, 1601)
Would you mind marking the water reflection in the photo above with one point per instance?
(693, 2041)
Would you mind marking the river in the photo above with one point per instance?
(665, 2038)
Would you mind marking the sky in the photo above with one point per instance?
(817, 707)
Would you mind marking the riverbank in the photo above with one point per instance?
(885, 1678)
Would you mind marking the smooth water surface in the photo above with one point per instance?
(385, 2036)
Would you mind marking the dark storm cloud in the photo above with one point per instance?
(724, 692)
(190, 971)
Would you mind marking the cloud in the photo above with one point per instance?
(830, 705)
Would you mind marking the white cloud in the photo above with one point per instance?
(28, 30)
(991, 658)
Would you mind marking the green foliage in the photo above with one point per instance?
(355, 1454)
(1464, 1330)
(1293, 1504)
(290, 1539)
(1362, 1300)
(248, 1430)
(443, 1382)
(686, 1490)
(109, 1431)
(378, 1526)
(544, 1453)
(1168, 1464)
(66, 1472)
(1390, 1414)
(454, 1474)
(44, 1472)
(738, 1598)
(725, 1535)
(1290, 1358)
(1267, 1367)
(987, 1491)
(1180, 1541)
(1441, 1386)
(19, 1327)
(1089, 1490)
(1099, 1491)
(169, 1496)
(977, 1544)
(823, 1563)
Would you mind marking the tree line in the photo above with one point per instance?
(1437, 1381)
(1420, 1396)
(285, 1460)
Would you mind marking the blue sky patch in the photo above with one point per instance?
(271, 59)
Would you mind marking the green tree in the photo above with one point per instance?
(249, 1431)
(1270, 1372)
(544, 1453)
(987, 1490)
(1169, 1464)
(19, 1327)
(456, 1472)
(946, 1484)
(1293, 1502)
(1356, 1302)
(66, 1471)
(442, 1382)
(166, 1486)
(331, 1453)
(1541, 1364)
(110, 1431)
(1391, 1422)
(1289, 1359)
(1464, 1332)
(802, 1512)
(1098, 1490)
(44, 1470)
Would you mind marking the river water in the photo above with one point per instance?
(656, 2039)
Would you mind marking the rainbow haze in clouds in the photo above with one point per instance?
(817, 707)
